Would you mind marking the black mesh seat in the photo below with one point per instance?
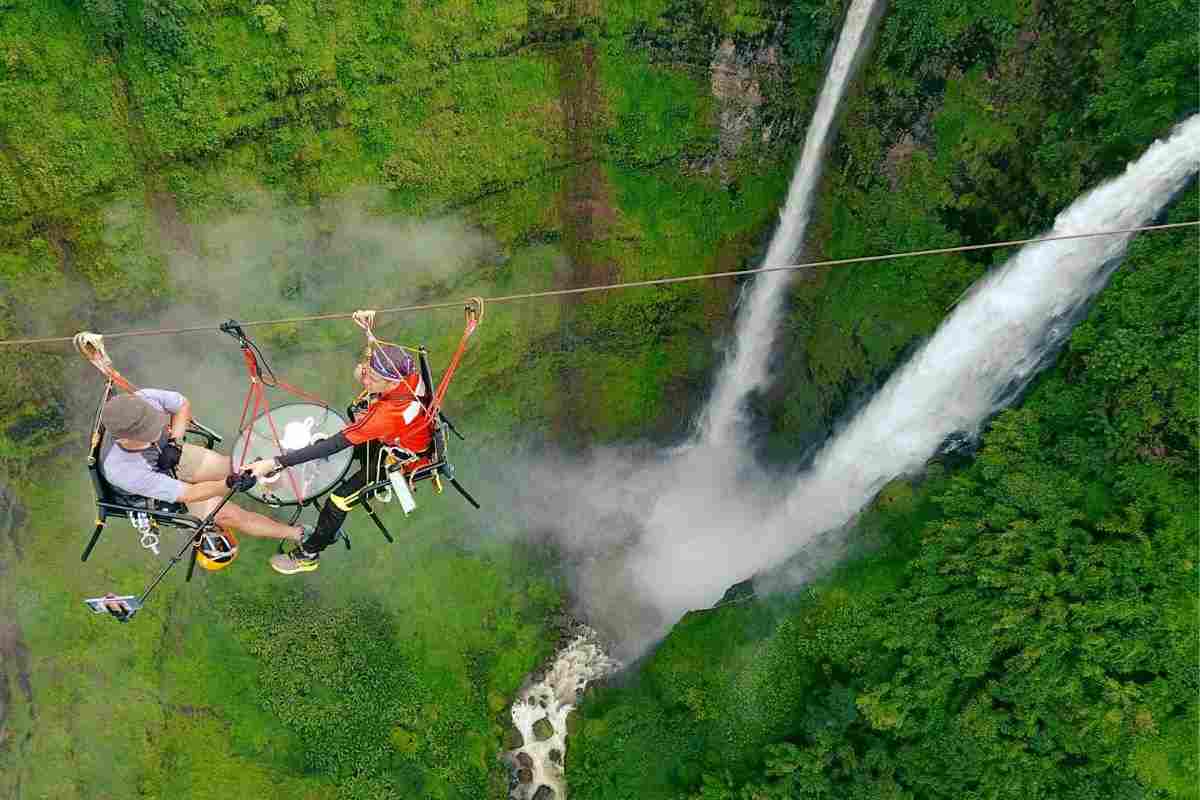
(112, 501)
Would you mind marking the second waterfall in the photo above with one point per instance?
(745, 368)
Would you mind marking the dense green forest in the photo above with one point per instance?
(1019, 623)
(1027, 629)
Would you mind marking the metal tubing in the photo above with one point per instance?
(454, 482)
(87, 551)
(205, 431)
(426, 373)
(191, 563)
(375, 518)
(174, 560)
(450, 425)
(200, 529)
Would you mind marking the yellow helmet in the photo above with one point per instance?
(217, 549)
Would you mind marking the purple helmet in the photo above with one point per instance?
(392, 362)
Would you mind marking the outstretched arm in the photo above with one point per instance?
(195, 492)
(322, 449)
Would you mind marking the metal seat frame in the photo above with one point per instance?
(110, 501)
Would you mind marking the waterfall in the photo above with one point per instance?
(745, 369)
(1008, 327)
(539, 716)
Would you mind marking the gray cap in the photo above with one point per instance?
(131, 417)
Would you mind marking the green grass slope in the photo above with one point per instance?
(199, 159)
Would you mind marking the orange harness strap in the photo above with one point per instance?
(474, 313)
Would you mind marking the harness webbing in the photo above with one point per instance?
(257, 390)
(91, 347)
(474, 315)
(365, 319)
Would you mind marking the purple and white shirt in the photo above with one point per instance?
(136, 471)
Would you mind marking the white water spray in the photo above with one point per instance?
(542, 707)
(654, 538)
(746, 366)
(976, 363)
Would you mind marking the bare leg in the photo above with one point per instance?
(247, 522)
(199, 464)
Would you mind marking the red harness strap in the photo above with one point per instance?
(366, 320)
(474, 315)
(258, 392)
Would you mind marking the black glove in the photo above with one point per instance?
(169, 455)
(241, 481)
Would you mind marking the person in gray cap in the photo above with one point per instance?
(146, 456)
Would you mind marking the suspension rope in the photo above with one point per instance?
(474, 315)
(704, 276)
(262, 377)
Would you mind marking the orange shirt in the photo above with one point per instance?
(395, 418)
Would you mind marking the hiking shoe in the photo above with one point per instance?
(295, 561)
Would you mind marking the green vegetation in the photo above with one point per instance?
(972, 123)
(179, 161)
(1028, 630)
(1021, 626)
(375, 678)
(1026, 626)
(135, 135)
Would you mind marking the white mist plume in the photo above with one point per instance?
(745, 370)
(273, 258)
(653, 539)
(640, 529)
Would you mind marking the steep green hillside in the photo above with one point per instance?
(175, 162)
(1027, 630)
(587, 145)
(973, 123)
(168, 162)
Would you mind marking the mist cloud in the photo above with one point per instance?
(275, 259)
(685, 526)
(278, 259)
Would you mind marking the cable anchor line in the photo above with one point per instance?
(609, 287)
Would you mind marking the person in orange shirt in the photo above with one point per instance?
(394, 415)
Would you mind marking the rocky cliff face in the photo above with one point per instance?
(737, 86)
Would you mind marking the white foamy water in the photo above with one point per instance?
(654, 537)
(990, 347)
(745, 369)
(538, 764)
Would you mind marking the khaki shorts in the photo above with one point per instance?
(189, 462)
(200, 464)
